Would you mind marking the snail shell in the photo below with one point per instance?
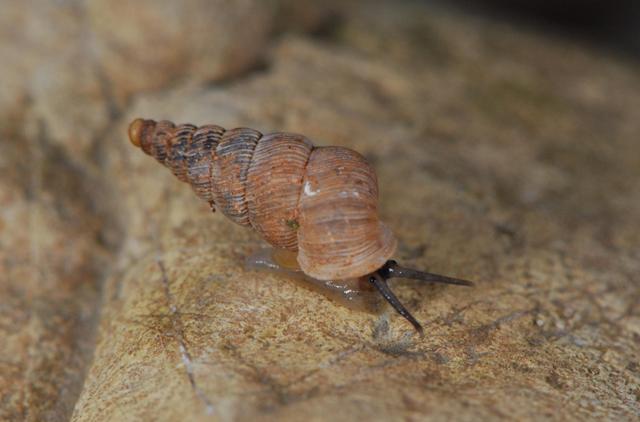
(320, 202)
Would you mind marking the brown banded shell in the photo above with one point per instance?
(178, 145)
(160, 141)
(274, 186)
(199, 157)
(340, 235)
(229, 172)
(320, 202)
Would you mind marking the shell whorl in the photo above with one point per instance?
(318, 201)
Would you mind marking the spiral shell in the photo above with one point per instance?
(318, 201)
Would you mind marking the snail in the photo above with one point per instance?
(317, 206)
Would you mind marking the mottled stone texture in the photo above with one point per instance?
(504, 156)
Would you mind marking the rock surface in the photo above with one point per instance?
(504, 157)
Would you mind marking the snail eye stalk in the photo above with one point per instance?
(391, 269)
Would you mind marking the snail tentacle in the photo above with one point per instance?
(391, 269)
(381, 284)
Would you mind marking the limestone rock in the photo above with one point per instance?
(506, 157)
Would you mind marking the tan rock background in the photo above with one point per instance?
(504, 156)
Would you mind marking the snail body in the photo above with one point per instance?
(318, 203)
(354, 293)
